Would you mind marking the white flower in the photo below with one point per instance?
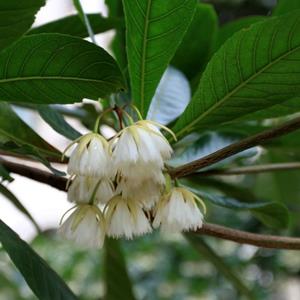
(126, 218)
(83, 188)
(147, 192)
(91, 157)
(142, 144)
(178, 211)
(85, 226)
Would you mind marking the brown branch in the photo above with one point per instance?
(235, 148)
(35, 174)
(243, 237)
(252, 169)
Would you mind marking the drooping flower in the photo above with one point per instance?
(91, 157)
(140, 145)
(147, 192)
(85, 189)
(85, 226)
(178, 211)
(126, 218)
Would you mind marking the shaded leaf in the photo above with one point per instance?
(154, 31)
(4, 174)
(285, 6)
(57, 122)
(72, 25)
(198, 42)
(16, 202)
(54, 68)
(118, 284)
(43, 281)
(227, 30)
(13, 129)
(171, 97)
(16, 18)
(238, 82)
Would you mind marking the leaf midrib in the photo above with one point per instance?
(144, 52)
(235, 90)
(16, 79)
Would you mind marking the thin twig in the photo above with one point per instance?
(235, 148)
(251, 169)
(243, 237)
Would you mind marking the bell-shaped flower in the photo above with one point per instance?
(91, 157)
(86, 189)
(140, 144)
(85, 226)
(125, 218)
(178, 211)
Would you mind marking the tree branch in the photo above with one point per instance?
(251, 169)
(243, 237)
(235, 148)
(35, 174)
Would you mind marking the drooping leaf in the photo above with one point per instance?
(272, 214)
(16, 18)
(55, 68)
(117, 280)
(204, 144)
(16, 202)
(13, 129)
(171, 97)
(227, 30)
(72, 25)
(43, 281)
(4, 174)
(204, 249)
(285, 6)
(198, 42)
(255, 69)
(154, 31)
(57, 122)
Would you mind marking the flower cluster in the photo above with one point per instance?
(119, 187)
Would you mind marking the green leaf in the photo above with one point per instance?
(16, 18)
(4, 174)
(54, 68)
(227, 30)
(117, 280)
(13, 129)
(204, 249)
(198, 42)
(285, 6)
(16, 202)
(57, 122)
(43, 281)
(154, 31)
(255, 69)
(72, 25)
(272, 214)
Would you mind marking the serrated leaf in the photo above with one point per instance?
(285, 6)
(72, 25)
(171, 97)
(16, 18)
(154, 31)
(16, 202)
(57, 122)
(118, 284)
(43, 281)
(198, 42)
(255, 69)
(54, 68)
